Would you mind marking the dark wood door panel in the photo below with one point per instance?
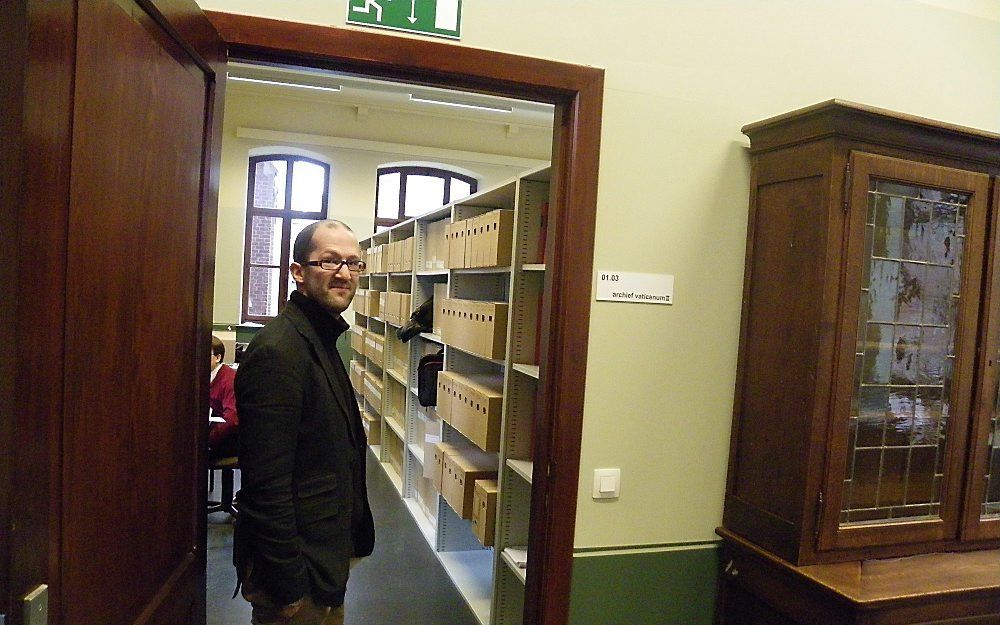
(131, 425)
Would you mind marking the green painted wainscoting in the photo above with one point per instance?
(669, 585)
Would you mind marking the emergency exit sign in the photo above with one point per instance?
(441, 18)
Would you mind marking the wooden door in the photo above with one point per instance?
(115, 361)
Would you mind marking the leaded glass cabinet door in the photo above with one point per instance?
(982, 513)
(906, 353)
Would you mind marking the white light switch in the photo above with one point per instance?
(607, 483)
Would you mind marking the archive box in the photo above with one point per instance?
(476, 403)
(398, 355)
(436, 459)
(373, 298)
(404, 308)
(440, 295)
(462, 467)
(484, 511)
(406, 254)
(436, 246)
(491, 239)
(383, 305)
(358, 339)
(394, 254)
(373, 428)
(360, 302)
(432, 467)
(358, 375)
(476, 327)
(445, 393)
(375, 348)
(373, 391)
(395, 449)
(456, 234)
(397, 401)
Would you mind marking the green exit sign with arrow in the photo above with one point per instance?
(441, 18)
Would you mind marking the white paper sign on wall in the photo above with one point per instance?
(643, 288)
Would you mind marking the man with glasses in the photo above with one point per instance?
(303, 511)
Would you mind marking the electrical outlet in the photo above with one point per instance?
(36, 606)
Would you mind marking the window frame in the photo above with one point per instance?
(416, 170)
(285, 215)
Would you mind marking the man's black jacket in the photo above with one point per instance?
(303, 505)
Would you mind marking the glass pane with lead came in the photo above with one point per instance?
(906, 335)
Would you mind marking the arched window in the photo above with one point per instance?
(406, 191)
(285, 194)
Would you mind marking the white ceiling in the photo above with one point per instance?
(341, 89)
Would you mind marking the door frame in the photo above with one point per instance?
(577, 93)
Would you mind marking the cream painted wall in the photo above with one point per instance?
(682, 77)
(352, 176)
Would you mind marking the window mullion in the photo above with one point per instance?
(402, 197)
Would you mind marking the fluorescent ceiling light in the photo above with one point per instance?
(481, 107)
(282, 83)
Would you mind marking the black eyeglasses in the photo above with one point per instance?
(353, 265)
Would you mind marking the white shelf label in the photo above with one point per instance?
(643, 288)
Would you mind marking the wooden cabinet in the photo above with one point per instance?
(865, 420)
(928, 589)
(866, 410)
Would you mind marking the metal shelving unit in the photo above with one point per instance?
(491, 583)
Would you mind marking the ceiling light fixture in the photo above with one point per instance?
(481, 107)
(281, 83)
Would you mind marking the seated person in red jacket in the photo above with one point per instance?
(222, 437)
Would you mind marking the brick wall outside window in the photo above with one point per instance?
(266, 272)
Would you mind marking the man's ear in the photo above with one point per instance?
(297, 273)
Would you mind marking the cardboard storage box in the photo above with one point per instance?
(446, 390)
(373, 428)
(484, 511)
(456, 234)
(383, 303)
(404, 303)
(491, 240)
(360, 303)
(375, 348)
(436, 460)
(399, 354)
(440, 295)
(436, 246)
(406, 251)
(395, 449)
(476, 404)
(358, 339)
(462, 467)
(392, 256)
(371, 306)
(358, 375)
(476, 327)
(432, 467)
(397, 401)
(373, 391)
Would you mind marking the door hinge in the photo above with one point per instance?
(847, 186)
(819, 514)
